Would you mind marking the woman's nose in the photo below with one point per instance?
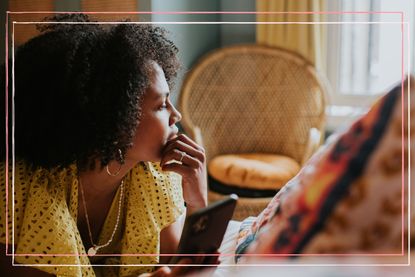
(176, 116)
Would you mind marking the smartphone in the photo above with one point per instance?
(203, 230)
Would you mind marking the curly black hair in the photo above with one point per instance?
(79, 88)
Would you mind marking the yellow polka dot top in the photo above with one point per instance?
(44, 205)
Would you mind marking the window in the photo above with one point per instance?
(364, 54)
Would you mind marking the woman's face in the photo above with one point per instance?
(158, 120)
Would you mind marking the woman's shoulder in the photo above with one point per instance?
(22, 173)
(16, 176)
(23, 181)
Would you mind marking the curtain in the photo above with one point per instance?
(307, 40)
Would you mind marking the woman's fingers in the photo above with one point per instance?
(161, 272)
(183, 141)
(188, 149)
(179, 150)
(178, 168)
(181, 270)
(179, 156)
(176, 271)
(189, 141)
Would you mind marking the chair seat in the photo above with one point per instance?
(221, 188)
(253, 171)
(245, 207)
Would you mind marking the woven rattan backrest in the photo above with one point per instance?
(253, 98)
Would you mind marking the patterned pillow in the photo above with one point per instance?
(351, 195)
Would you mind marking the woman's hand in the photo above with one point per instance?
(192, 168)
(182, 270)
(174, 271)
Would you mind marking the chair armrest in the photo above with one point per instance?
(196, 135)
(314, 141)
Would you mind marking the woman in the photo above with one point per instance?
(95, 137)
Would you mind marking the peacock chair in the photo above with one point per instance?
(253, 99)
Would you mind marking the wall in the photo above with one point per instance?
(235, 34)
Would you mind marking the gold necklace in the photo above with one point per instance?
(94, 248)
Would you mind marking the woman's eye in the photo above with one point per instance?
(165, 105)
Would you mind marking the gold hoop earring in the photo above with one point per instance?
(119, 169)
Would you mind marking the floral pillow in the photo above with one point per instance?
(350, 197)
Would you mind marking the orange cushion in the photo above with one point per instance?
(253, 171)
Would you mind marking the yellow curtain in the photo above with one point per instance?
(305, 39)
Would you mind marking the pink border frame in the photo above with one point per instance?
(213, 12)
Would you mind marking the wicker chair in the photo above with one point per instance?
(251, 98)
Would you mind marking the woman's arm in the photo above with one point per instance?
(7, 269)
(192, 168)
